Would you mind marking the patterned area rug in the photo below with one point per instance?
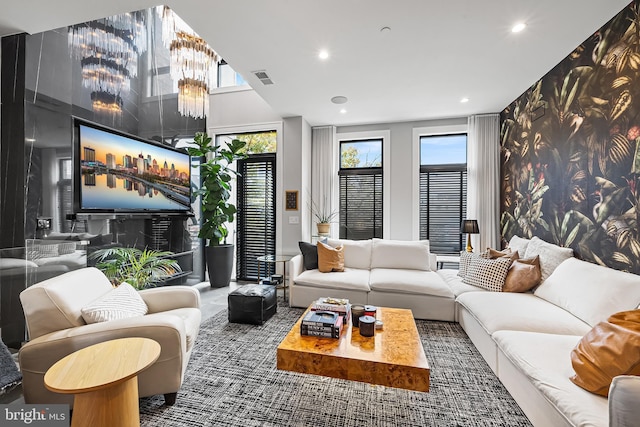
(10, 376)
(232, 380)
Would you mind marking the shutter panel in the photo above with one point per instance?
(256, 215)
(361, 204)
(443, 206)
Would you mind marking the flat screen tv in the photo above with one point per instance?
(116, 172)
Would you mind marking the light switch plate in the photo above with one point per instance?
(294, 220)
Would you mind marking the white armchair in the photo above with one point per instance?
(56, 328)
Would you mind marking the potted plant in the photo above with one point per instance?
(216, 175)
(139, 268)
(324, 216)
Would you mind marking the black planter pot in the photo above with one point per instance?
(219, 264)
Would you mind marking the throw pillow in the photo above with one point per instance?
(551, 255)
(610, 349)
(487, 274)
(309, 255)
(119, 303)
(465, 260)
(494, 253)
(524, 274)
(518, 244)
(330, 258)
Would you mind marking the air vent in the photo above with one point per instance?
(263, 77)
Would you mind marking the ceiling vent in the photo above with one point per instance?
(263, 77)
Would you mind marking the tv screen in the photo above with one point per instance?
(117, 172)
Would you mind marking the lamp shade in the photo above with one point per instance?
(469, 226)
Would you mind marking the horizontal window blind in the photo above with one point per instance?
(443, 206)
(360, 203)
(256, 215)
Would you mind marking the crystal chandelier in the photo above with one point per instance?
(191, 64)
(108, 51)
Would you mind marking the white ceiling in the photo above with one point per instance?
(436, 53)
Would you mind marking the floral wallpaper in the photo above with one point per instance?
(570, 150)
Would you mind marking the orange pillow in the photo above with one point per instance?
(330, 258)
(610, 349)
(523, 275)
(506, 253)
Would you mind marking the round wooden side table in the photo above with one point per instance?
(103, 378)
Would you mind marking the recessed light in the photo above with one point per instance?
(343, 111)
(518, 27)
(30, 140)
(464, 100)
(323, 54)
(339, 99)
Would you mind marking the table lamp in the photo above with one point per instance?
(469, 226)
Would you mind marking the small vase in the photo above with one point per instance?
(323, 228)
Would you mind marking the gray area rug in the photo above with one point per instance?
(10, 376)
(232, 380)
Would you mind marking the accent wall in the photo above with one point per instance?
(570, 150)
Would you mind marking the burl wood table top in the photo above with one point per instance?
(394, 357)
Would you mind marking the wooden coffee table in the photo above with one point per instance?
(394, 357)
(103, 378)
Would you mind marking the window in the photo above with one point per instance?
(443, 191)
(360, 182)
(227, 77)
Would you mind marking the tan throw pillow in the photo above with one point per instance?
(488, 274)
(494, 253)
(330, 258)
(610, 349)
(524, 274)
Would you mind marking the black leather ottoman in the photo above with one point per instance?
(253, 304)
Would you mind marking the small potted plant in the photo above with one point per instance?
(324, 216)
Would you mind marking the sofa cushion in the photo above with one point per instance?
(330, 258)
(542, 359)
(400, 255)
(455, 283)
(589, 291)
(497, 311)
(610, 349)
(409, 282)
(7, 263)
(122, 302)
(357, 253)
(524, 274)
(550, 256)
(519, 244)
(487, 274)
(350, 278)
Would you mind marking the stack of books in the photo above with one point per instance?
(336, 305)
(321, 324)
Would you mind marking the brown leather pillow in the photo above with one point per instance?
(494, 253)
(330, 258)
(610, 349)
(524, 274)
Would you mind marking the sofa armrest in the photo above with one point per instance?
(296, 267)
(170, 297)
(624, 401)
(41, 353)
(433, 262)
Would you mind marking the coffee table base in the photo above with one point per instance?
(116, 405)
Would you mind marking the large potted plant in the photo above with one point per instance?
(216, 175)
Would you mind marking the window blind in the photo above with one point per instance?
(360, 203)
(443, 206)
(256, 215)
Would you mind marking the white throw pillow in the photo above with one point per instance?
(589, 291)
(357, 253)
(519, 244)
(550, 255)
(119, 303)
(413, 255)
(486, 273)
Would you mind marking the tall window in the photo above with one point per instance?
(256, 203)
(443, 191)
(360, 177)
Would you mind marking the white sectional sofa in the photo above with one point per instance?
(388, 273)
(526, 338)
